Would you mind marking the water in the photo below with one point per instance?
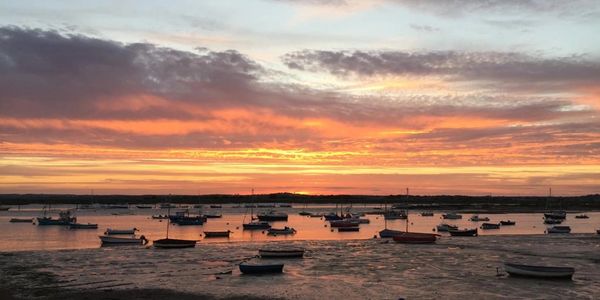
(24, 236)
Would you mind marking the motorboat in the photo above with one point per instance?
(463, 232)
(507, 223)
(559, 229)
(272, 216)
(556, 215)
(168, 243)
(477, 218)
(256, 225)
(490, 226)
(277, 231)
(214, 234)
(415, 238)
(107, 239)
(64, 218)
(539, 271)
(452, 216)
(281, 253)
(446, 227)
(247, 268)
(120, 231)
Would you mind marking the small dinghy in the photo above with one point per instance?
(285, 230)
(539, 271)
(446, 227)
(120, 231)
(490, 226)
(214, 234)
(464, 232)
(173, 243)
(111, 240)
(348, 229)
(415, 238)
(507, 223)
(583, 216)
(246, 268)
(559, 229)
(281, 253)
(18, 220)
(83, 226)
(257, 225)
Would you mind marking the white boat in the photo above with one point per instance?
(120, 231)
(559, 229)
(539, 271)
(106, 239)
(281, 253)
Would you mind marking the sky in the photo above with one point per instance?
(491, 97)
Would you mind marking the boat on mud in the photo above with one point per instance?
(272, 215)
(214, 234)
(582, 216)
(168, 243)
(247, 268)
(256, 225)
(415, 238)
(553, 221)
(277, 231)
(389, 233)
(395, 215)
(281, 253)
(344, 223)
(111, 240)
(477, 218)
(64, 218)
(539, 271)
(561, 215)
(348, 229)
(463, 232)
(507, 223)
(21, 220)
(446, 227)
(559, 229)
(427, 214)
(452, 216)
(490, 226)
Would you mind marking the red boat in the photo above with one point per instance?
(415, 238)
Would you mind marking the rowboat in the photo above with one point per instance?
(173, 243)
(476, 218)
(272, 216)
(490, 226)
(348, 229)
(304, 213)
(18, 220)
(281, 253)
(83, 226)
(446, 227)
(120, 231)
(539, 271)
(452, 216)
(285, 230)
(256, 225)
(559, 229)
(507, 223)
(260, 268)
(464, 232)
(106, 239)
(415, 238)
(211, 234)
(583, 216)
(388, 233)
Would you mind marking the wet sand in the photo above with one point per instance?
(454, 268)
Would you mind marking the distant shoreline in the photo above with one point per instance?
(440, 202)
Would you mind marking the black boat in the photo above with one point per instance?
(212, 234)
(256, 225)
(464, 232)
(507, 223)
(348, 229)
(174, 243)
(260, 268)
(19, 220)
(490, 226)
(272, 216)
(539, 271)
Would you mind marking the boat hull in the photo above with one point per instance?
(539, 271)
(388, 233)
(17, 220)
(83, 226)
(415, 238)
(348, 229)
(119, 240)
(214, 234)
(469, 232)
(256, 226)
(261, 269)
(119, 231)
(174, 243)
(271, 218)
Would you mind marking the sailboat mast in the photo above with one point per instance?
(406, 209)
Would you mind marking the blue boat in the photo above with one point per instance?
(260, 268)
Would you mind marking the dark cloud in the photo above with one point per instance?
(496, 66)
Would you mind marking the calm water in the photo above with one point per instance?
(24, 236)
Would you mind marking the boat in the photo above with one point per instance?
(415, 238)
(597, 231)
(20, 220)
(344, 223)
(246, 268)
(188, 221)
(143, 206)
(256, 225)
(552, 221)
(285, 205)
(213, 215)
(285, 230)
(490, 226)
(463, 232)
(332, 217)
(507, 223)
(215, 206)
(83, 226)
(427, 214)
(266, 205)
(212, 234)
(160, 217)
(559, 229)
(395, 215)
(446, 227)
(316, 215)
(168, 243)
(583, 216)
(304, 213)
(561, 215)
(107, 239)
(64, 218)
(272, 216)
(120, 231)
(348, 229)
(539, 271)
(281, 253)
(476, 218)
(452, 216)
(388, 233)
(3, 208)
